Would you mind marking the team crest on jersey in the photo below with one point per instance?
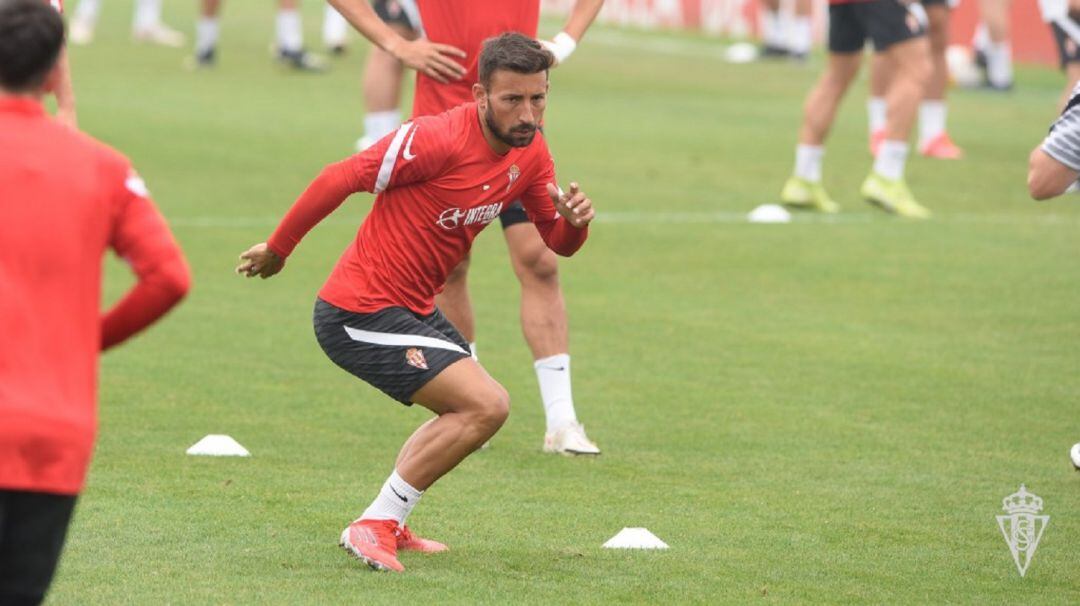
(513, 175)
(415, 357)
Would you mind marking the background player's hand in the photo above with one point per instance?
(259, 261)
(433, 59)
(573, 205)
(561, 46)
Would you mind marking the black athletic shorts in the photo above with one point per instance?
(883, 22)
(513, 214)
(32, 530)
(1068, 49)
(392, 12)
(393, 349)
(947, 3)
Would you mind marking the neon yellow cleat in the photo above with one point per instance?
(807, 195)
(893, 196)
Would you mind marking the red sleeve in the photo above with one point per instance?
(559, 235)
(416, 152)
(141, 236)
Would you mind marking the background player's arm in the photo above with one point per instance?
(141, 236)
(1055, 163)
(433, 59)
(581, 17)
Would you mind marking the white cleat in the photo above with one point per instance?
(570, 440)
(160, 34)
(81, 32)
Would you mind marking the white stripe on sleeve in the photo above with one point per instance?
(390, 158)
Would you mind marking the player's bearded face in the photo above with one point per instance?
(515, 107)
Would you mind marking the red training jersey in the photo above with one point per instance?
(438, 183)
(466, 24)
(64, 199)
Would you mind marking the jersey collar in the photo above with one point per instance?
(18, 104)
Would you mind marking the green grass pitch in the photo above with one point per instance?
(825, 411)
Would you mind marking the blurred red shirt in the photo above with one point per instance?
(64, 200)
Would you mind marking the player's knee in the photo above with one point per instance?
(491, 409)
(542, 267)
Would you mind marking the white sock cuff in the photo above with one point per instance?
(555, 360)
(404, 487)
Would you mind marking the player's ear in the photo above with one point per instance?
(479, 95)
(52, 80)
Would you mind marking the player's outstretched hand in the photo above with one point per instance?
(259, 261)
(433, 59)
(573, 205)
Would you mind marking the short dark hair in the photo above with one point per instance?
(514, 52)
(31, 36)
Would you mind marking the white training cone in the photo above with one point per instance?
(218, 445)
(635, 538)
(769, 213)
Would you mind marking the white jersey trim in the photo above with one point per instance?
(386, 169)
(397, 340)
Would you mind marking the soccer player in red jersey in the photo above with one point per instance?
(439, 181)
(463, 24)
(64, 199)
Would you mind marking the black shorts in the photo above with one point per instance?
(393, 13)
(393, 349)
(32, 530)
(884, 22)
(513, 214)
(1068, 49)
(947, 3)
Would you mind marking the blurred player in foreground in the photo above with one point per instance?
(454, 27)
(289, 40)
(1054, 164)
(897, 34)
(439, 181)
(64, 199)
(934, 140)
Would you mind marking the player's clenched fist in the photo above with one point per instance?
(573, 205)
(259, 261)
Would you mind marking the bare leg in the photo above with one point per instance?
(819, 111)
(543, 311)
(938, 35)
(471, 407)
(454, 301)
(912, 71)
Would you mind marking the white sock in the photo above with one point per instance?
(147, 14)
(999, 69)
(395, 501)
(553, 374)
(931, 121)
(290, 32)
(379, 124)
(207, 30)
(88, 11)
(772, 31)
(808, 162)
(799, 36)
(981, 39)
(876, 110)
(472, 348)
(891, 159)
(334, 27)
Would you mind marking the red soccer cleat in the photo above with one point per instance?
(374, 542)
(876, 139)
(942, 147)
(407, 541)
